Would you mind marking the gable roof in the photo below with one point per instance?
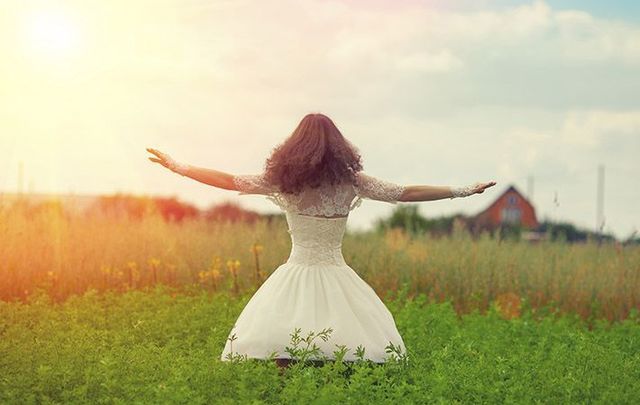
(511, 188)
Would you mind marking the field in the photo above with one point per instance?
(115, 310)
(163, 347)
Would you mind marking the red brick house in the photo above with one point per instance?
(511, 207)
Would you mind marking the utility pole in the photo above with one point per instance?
(554, 216)
(530, 188)
(600, 202)
(20, 177)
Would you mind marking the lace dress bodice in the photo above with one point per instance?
(317, 217)
(325, 201)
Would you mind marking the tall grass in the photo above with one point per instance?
(65, 255)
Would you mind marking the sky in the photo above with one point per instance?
(431, 92)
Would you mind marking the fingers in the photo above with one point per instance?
(485, 186)
(157, 153)
(164, 159)
(480, 187)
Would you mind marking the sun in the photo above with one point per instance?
(51, 34)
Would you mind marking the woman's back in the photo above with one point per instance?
(327, 200)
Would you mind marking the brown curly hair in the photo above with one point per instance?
(315, 153)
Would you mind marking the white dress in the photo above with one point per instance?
(315, 288)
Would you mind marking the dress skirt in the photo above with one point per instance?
(313, 297)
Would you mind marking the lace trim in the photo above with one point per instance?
(278, 200)
(329, 200)
(251, 184)
(464, 191)
(377, 189)
(355, 203)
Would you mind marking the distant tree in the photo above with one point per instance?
(444, 225)
(173, 210)
(135, 207)
(507, 231)
(409, 219)
(122, 206)
(51, 208)
(230, 212)
(565, 231)
(632, 239)
(405, 217)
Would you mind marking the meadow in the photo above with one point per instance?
(113, 310)
(66, 255)
(163, 346)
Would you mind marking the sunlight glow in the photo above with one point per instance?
(52, 34)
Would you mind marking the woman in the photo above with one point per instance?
(316, 177)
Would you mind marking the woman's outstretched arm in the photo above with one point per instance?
(430, 193)
(208, 176)
(211, 177)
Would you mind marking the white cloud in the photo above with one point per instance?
(440, 61)
(589, 128)
(530, 55)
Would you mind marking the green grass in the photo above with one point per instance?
(160, 346)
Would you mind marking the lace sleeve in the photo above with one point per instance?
(252, 184)
(377, 189)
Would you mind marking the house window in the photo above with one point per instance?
(511, 215)
(511, 200)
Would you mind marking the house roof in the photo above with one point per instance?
(510, 188)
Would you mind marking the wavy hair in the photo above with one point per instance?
(315, 153)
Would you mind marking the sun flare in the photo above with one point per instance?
(51, 34)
